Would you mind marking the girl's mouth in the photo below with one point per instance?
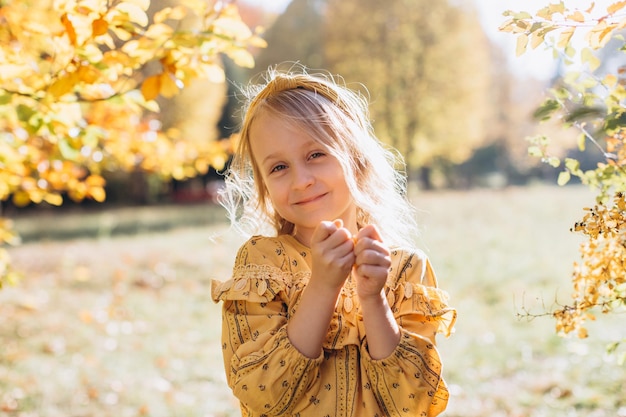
(311, 200)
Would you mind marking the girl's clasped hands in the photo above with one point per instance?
(339, 253)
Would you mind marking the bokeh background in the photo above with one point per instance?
(112, 314)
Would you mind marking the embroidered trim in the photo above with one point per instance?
(259, 279)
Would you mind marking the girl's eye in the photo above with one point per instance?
(315, 155)
(278, 168)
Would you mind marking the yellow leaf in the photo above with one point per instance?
(616, 6)
(21, 198)
(162, 15)
(603, 38)
(176, 13)
(168, 85)
(535, 40)
(95, 181)
(581, 142)
(258, 42)
(97, 193)
(587, 56)
(121, 33)
(99, 27)
(135, 13)
(143, 4)
(565, 37)
(557, 7)
(151, 87)
(159, 30)
(241, 57)
(545, 13)
(92, 53)
(506, 26)
(53, 199)
(88, 74)
(564, 177)
(610, 80)
(522, 41)
(213, 73)
(63, 85)
(69, 29)
(77, 192)
(232, 27)
(577, 16)
(9, 71)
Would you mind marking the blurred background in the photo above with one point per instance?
(112, 313)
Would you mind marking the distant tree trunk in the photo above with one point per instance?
(426, 178)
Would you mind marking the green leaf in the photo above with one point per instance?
(581, 142)
(67, 150)
(5, 98)
(581, 113)
(562, 93)
(24, 113)
(522, 15)
(91, 138)
(544, 112)
(614, 121)
(536, 26)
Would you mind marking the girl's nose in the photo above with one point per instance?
(302, 178)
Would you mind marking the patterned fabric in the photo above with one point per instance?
(271, 377)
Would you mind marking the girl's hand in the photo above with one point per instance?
(332, 249)
(372, 263)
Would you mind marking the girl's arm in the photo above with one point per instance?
(265, 371)
(333, 257)
(381, 329)
(371, 270)
(410, 379)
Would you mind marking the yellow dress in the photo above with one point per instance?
(270, 377)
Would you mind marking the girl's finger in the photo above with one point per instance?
(323, 231)
(370, 231)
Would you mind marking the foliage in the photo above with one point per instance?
(592, 102)
(409, 60)
(304, 18)
(79, 82)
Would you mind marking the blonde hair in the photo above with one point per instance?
(337, 117)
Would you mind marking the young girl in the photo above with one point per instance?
(330, 312)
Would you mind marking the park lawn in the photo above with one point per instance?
(125, 326)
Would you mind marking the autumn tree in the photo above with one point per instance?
(426, 65)
(590, 99)
(297, 35)
(79, 83)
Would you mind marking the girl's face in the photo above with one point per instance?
(305, 183)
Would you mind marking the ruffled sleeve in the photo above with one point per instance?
(266, 373)
(410, 378)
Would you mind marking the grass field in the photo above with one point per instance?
(125, 326)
